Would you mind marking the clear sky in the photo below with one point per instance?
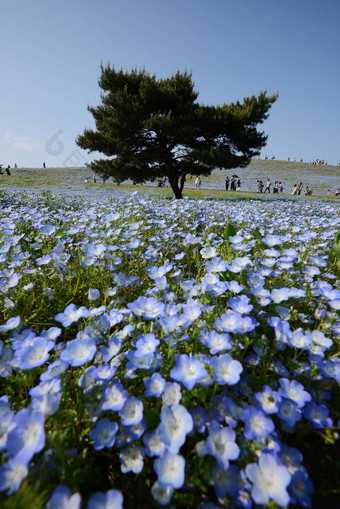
(50, 55)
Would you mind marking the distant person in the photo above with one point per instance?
(238, 185)
(295, 189)
(268, 184)
(280, 187)
(1, 172)
(15, 165)
(227, 180)
(307, 191)
(328, 192)
(198, 182)
(261, 186)
(44, 165)
(94, 178)
(300, 188)
(337, 192)
(8, 170)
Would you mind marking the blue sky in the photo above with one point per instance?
(50, 55)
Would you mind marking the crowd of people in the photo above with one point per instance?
(7, 170)
(234, 183)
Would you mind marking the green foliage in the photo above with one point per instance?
(150, 128)
(337, 250)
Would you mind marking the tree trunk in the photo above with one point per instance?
(176, 189)
(173, 179)
(182, 180)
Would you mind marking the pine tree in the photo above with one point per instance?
(150, 128)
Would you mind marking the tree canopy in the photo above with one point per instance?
(149, 128)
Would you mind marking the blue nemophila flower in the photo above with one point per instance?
(293, 390)
(132, 411)
(44, 260)
(6, 424)
(176, 423)
(234, 322)
(267, 399)
(153, 444)
(200, 419)
(103, 373)
(188, 371)
(216, 265)
(71, 314)
(47, 404)
(136, 431)
(311, 271)
(52, 386)
(257, 424)
(157, 272)
(34, 354)
(270, 480)
(27, 436)
(208, 252)
(191, 310)
(289, 412)
(154, 385)
(132, 459)
(170, 470)
(114, 397)
(215, 341)
(234, 287)
(147, 307)
(146, 344)
(162, 496)
(93, 294)
(62, 498)
(104, 434)
(52, 333)
(14, 279)
(272, 240)
(123, 281)
(221, 444)
(79, 351)
(139, 362)
(318, 415)
(239, 263)
(11, 476)
(113, 348)
(282, 330)
(300, 488)
(299, 339)
(112, 499)
(290, 457)
(171, 394)
(232, 412)
(226, 482)
(161, 283)
(240, 304)
(330, 368)
(319, 339)
(12, 323)
(227, 370)
(280, 294)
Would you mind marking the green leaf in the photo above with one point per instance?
(229, 231)
(337, 250)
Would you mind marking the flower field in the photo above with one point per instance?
(157, 352)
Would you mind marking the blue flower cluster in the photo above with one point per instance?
(209, 348)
